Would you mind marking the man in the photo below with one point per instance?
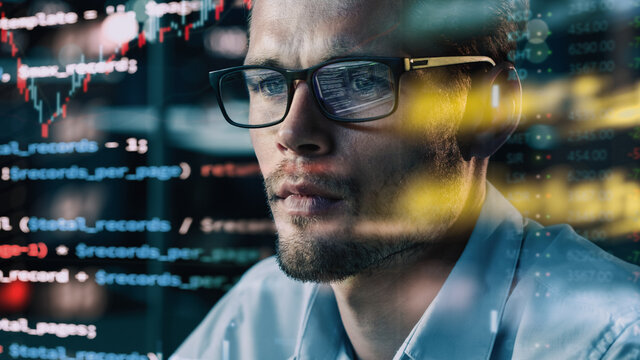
(373, 122)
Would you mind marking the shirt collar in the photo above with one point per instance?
(462, 321)
(321, 334)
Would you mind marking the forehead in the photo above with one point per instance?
(302, 33)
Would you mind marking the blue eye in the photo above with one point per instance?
(269, 85)
(273, 86)
(253, 84)
(363, 83)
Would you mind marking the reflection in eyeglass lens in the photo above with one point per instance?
(357, 89)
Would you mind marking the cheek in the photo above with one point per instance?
(381, 158)
(263, 150)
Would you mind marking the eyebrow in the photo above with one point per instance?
(262, 61)
(340, 49)
(273, 62)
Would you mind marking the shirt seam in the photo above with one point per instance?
(305, 321)
(537, 265)
(613, 341)
(519, 222)
(514, 271)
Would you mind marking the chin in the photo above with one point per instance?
(315, 259)
(314, 249)
(317, 250)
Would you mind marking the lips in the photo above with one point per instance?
(307, 199)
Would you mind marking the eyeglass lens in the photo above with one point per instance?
(254, 96)
(355, 90)
(350, 90)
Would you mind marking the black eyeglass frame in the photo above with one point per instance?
(398, 66)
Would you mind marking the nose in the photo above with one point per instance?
(305, 131)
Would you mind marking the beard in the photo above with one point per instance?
(379, 225)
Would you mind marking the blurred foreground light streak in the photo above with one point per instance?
(587, 101)
(611, 204)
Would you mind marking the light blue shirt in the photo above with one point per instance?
(518, 291)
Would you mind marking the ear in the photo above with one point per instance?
(493, 110)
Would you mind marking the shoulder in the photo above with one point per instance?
(576, 298)
(566, 263)
(262, 311)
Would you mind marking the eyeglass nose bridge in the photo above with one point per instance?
(304, 74)
(294, 77)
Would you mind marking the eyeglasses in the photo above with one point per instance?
(354, 89)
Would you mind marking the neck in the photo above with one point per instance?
(380, 308)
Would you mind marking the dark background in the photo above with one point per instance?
(574, 159)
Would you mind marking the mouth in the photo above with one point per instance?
(307, 199)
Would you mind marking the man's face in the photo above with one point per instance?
(353, 197)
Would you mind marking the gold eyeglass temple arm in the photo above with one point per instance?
(422, 63)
